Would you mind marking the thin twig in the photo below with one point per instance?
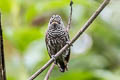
(70, 17)
(49, 72)
(2, 60)
(85, 26)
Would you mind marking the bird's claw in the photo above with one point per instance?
(68, 42)
(53, 56)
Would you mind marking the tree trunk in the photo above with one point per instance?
(2, 61)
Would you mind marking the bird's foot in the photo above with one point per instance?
(68, 42)
(53, 56)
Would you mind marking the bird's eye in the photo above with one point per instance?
(58, 22)
(50, 22)
(52, 17)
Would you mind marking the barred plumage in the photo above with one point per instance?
(56, 38)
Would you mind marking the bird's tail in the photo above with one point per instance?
(62, 66)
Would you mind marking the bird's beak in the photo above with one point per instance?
(54, 23)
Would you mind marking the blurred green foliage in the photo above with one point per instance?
(94, 56)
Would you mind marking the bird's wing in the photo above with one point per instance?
(47, 44)
(68, 51)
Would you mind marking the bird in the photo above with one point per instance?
(56, 38)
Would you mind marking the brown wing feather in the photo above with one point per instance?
(68, 54)
(46, 41)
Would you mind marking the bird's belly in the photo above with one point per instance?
(57, 44)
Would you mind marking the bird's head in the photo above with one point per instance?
(56, 21)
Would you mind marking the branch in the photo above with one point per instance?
(2, 61)
(85, 26)
(49, 72)
(70, 17)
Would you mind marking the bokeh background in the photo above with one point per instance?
(94, 56)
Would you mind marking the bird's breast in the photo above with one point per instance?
(56, 34)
